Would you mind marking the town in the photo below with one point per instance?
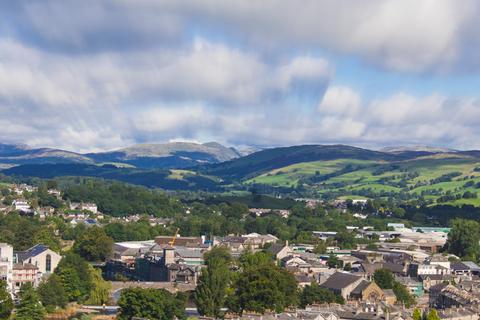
(398, 272)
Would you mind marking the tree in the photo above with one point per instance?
(151, 304)
(314, 294)
(30, 307)
(320, 247)
(345, 239)
(100, 291)
(417, 314)
(384, 278)
(433, 315)
(94, 244)
(402, 294)
(52, 294)
(77, 282)
(218, 253)
(334, 262)
(261, 286)
(6, 302)
(463, 239)
(72, 284)
(46, 236)
(211, 291)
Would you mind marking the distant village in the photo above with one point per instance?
(437, 280)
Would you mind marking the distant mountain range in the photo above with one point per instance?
(167, 155)
(435, 174)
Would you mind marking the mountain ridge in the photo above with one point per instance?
(151, 155)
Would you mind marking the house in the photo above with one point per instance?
(45, 259)
(6, 264)
(465, 268)
(21, 205)
(342, 283)
(440, 260)
(189, 256)
(419, 269)
(446, 296)
(430, 280)
(252, 241)
(368, 292)
(279, 251)
(55, 192)
(25, 273)
(170, 266)
(304, 280)
(389, 296)
(87, 206)
(44, 212)
(464, 313)
(324, 235)
(183, 273)
(180, 241)
(259, 212)
(352, 287)
(128, 251)
(414, 286)
(368, 269)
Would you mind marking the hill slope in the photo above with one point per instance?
(269, 159)
(23, 154)
(168, 155)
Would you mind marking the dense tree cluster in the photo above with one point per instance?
(6, 302)
(74, 280)
(151, 304)
(385, 280)
(463, 239)
(314, 294)
(25, 232)
(119, 199)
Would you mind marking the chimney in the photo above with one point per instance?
(286, 243)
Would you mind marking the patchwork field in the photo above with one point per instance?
(428, 177)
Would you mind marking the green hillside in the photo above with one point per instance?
(269, 159)
(320, 171)
(442, 179)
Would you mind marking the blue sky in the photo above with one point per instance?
(99, 75)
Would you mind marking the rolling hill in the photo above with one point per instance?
(270, 159)
(323, 171)
(152, 178)
(167, 155)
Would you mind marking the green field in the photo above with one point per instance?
(180, 174)
(419, 177)
(290, 175)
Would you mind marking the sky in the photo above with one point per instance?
(97, 75)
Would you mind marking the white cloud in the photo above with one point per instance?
(122, 72)
(340, 100)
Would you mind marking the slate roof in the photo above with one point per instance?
(303, 278)
(275, 248)
(340, 280)
(32, 252)
(465, 265)
(361, 286)
(186, 253)
(436, 277)
(438, 287)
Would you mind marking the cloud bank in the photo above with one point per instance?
(97, 75)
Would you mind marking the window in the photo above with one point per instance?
(48, 263)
